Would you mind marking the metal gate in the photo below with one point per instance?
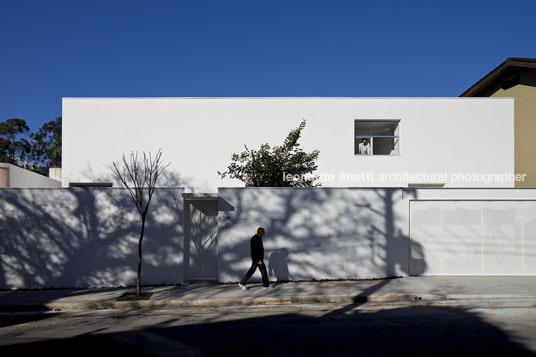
(201, 238)
(473, 237)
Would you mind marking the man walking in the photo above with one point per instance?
(257, 256)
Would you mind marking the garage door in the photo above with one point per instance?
(473, 237)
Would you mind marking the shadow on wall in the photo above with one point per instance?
(318, 233)
(87, 237)
(171, 178)
(278, 265)
(201, 238)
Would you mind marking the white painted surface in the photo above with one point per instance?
(87, 237)
(21, 178)
(437, 136)
(55, 173)
(317, 233)
(473, 193)
(474, 232)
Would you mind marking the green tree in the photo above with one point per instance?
(4, 146)
(279, 166)
(45, 149)
(13, 145)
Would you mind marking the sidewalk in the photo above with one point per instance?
(207, 294)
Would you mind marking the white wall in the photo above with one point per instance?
(360, 233)
(87, 237)
(21, 178)
(315, 233)
(55, 173)
(198, 136)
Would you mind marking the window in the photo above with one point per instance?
(382, 137)
(426, 185)
(90, 184)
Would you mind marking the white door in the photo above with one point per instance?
(201, 239)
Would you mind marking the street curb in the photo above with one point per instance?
(319, 299)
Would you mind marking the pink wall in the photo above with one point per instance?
(4, 176)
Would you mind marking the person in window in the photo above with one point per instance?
(364, 147)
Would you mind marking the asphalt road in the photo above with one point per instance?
(493, 327)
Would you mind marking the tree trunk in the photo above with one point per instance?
(138, 281)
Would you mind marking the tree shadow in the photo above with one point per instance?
(414, 330)
(11, 319)
(200, 238)
(319, 233)
(86, 237)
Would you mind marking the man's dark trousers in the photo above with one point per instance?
(262, 268)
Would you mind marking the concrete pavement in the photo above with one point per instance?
(211, 294)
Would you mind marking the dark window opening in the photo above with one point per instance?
(382, 137)
(90, 184)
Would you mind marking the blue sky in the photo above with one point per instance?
(53, 49)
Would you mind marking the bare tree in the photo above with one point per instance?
(139, 176)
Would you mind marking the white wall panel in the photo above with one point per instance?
(87, 237)
(314, 233)
(199, 135)
(476, 237)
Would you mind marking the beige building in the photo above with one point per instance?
(516, 78)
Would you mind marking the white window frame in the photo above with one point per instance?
(370, 138)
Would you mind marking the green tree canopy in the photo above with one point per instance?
(279, 166)
(46, 146)
(13, 145)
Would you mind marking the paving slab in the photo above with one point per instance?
(307, 292)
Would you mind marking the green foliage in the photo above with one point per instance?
(42, 149)
(266, 167)
(13, 145)
(46, 146)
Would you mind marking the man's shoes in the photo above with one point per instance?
(243, 287)
(267, 287)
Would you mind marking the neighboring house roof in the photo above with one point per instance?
(504, 71)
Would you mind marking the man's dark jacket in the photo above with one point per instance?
(257, 249)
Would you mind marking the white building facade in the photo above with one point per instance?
(415, 142)
(374, 217)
